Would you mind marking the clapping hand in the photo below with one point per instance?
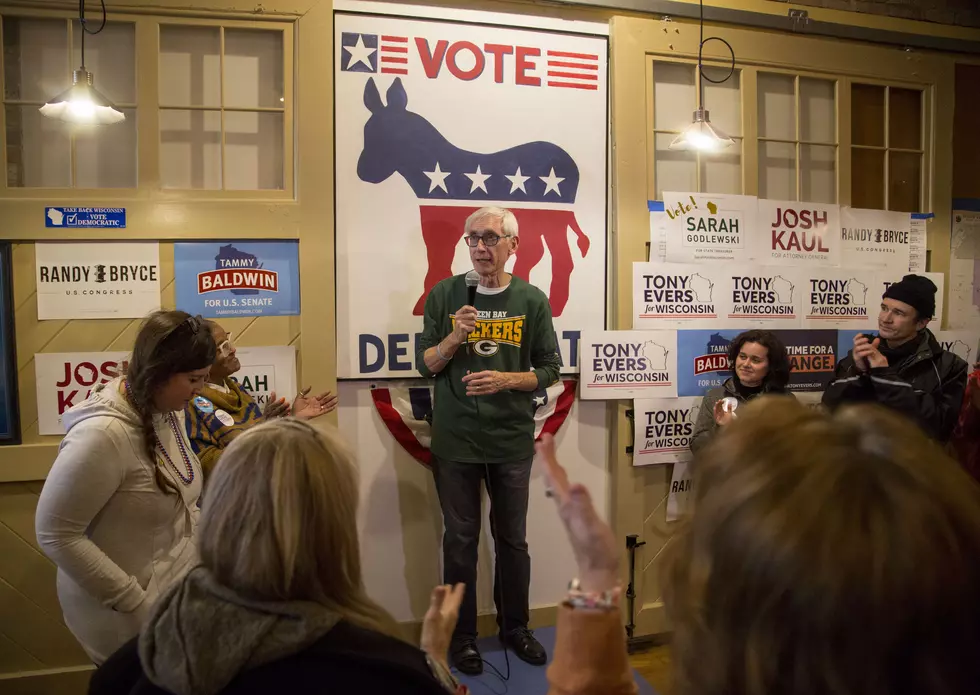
(275, 407)
(593, 542)
(307, 407)
(440, 621)
(866, 353)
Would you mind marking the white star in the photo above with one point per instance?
(359, 53)
(517, 181)
(478, 179)
(551, 182)
(539, 400)
(437, 179)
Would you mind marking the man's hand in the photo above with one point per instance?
(486, 383)
(276, 407)
(440, 621)
(465, 323)
(307, 407)
(867, 355)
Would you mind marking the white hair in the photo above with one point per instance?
(508, 223)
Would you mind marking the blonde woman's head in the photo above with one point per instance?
(280, 521)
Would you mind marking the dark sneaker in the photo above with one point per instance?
(466, 657)
(522, 642)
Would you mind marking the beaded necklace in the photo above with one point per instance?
(189, 478)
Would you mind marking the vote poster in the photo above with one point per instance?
(839, 298)
(798, 234)
(709, 227)
(763, 296)
(662, 429)
(237, 278)
(812, 358)
(702, 360)
(680, 496)
(675, 295)
(876, 239)
(628, 364)
(438, 119)
(97, 280)
(64, 380)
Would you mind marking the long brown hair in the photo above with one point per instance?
(168, 343)
(280, 522)
(826, 555)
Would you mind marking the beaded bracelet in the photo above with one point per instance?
(441, 356)
(577, 598)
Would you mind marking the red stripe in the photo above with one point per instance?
(394, 49)
(566, 64)
(675, 316)
(393, 59)
(400, 39)
(580, 56)
(562, 408)
(571, 85)
(399, 430)
(573, 75)
(394, 71)
(762, 316)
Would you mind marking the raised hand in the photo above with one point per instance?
(307, 407)
(440, 621)
(276, 407)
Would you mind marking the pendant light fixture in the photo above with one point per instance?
(82, 103)
(700, 135)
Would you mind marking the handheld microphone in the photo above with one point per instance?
(472, 282)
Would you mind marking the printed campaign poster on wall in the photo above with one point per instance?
(763, 296)
(97, 280)
(680, 495)
(812, 358)
(675, 295)
(408, 132)
(919, 241)
(709, 227)
(65, 379)
(798, 234)
(702, 360)
(962, 343)
(839, 298)
(238, 278)
(964, 266)
(876, 239)
(662, 429)
(628, 364)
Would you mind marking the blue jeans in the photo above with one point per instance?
(459, 488)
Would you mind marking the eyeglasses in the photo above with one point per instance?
(489, 239)
(226, 347)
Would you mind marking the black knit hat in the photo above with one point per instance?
(916, 291)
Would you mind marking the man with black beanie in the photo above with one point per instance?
(904, 367)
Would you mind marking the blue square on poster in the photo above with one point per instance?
(237, 278)
(702, 360)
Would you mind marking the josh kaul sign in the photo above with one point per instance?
(662, 429)
(95, 280)
(799, 233)
(670, 295)
(708, 227)
(628, 364)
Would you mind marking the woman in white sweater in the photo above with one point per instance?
(119, 508)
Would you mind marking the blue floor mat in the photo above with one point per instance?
(524, 678)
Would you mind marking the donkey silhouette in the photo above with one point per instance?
(397, 140)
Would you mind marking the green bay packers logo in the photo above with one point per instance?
(485, 348)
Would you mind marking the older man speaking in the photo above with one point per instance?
(487, 362)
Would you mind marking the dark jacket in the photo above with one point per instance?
(927, 386)
(705, 427)
(347, 659)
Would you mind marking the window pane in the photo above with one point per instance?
(674, 98)
(867, 115)
(253, 150)
(35, 58)
(253, 68)
(905, 118)
(818, 174)
(818, 117)
(777, 170)
(675, 170)
(868, 179)
(777, 108)
(38, 150)
(105, 156)
(190, 149)
(904, 181)
(190, 66)
(724, 102)
(722, 172)
(110, 56)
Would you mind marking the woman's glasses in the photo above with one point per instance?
(226, 347)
